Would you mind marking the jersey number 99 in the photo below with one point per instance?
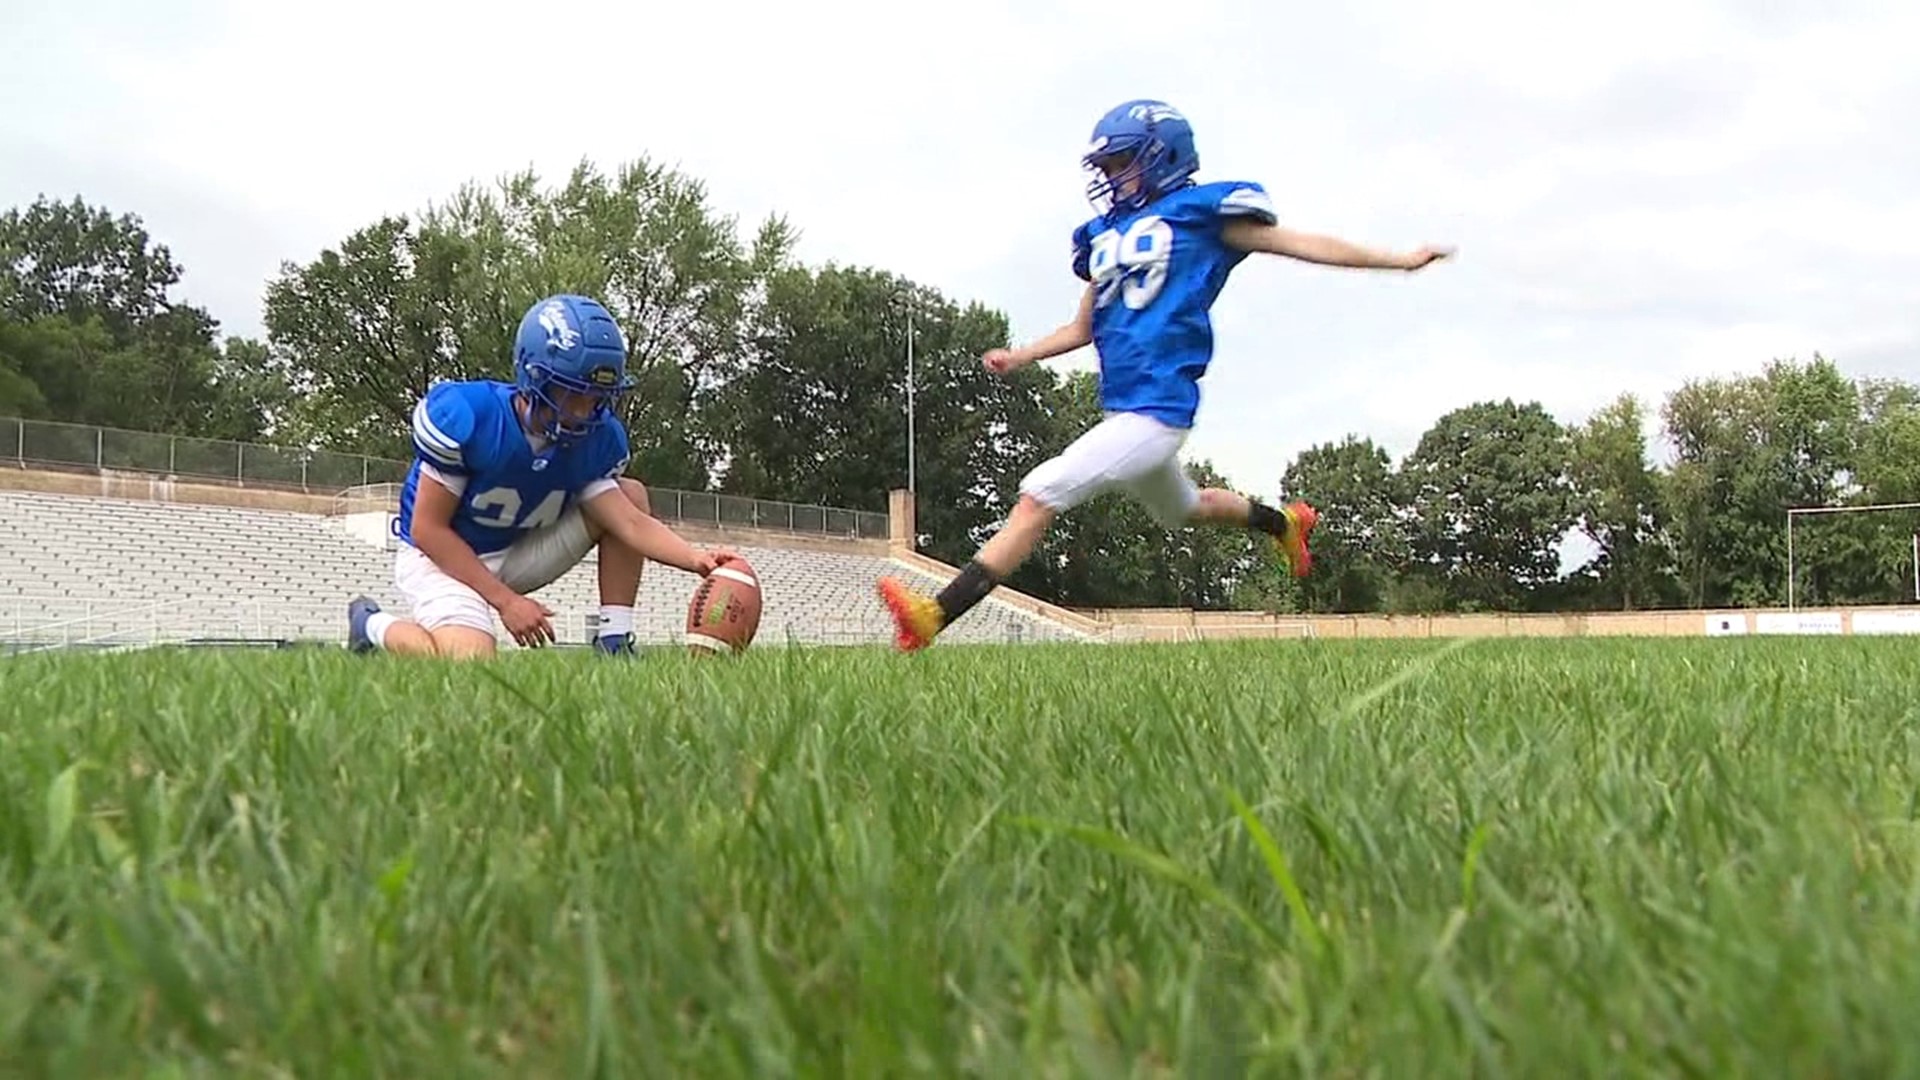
(1133, 264)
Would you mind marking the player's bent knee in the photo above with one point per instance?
(1033, 509)
(636, 493)
(1176, 517)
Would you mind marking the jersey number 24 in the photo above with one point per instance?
(499, 508)
(1133, 264)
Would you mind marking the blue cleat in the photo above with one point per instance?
(358, 612)
(615, 645)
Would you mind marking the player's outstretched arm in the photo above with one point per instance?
(1248, 235)
(1070, 336)
(616, 514)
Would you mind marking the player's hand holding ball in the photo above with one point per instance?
(528, 620)
(724, 614)
(711, 560)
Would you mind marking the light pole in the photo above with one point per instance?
(910, 463)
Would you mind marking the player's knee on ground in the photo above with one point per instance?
(461, 642)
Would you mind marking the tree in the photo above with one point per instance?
(80, 261)
(815, 409)
(362, 331)
(1746, 451)
(1361, 541)
(251, 393)
(357, 336)
(1490, 502)
(1867, 557)
(645, 242)
(86, 317)
(1617, 500)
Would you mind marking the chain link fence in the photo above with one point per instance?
(48, 444)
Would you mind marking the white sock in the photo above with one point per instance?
(615, 621)
(377, 624)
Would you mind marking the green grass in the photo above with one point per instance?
(1687, 858)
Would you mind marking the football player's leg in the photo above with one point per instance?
(919, 618)
(620, 569)
(1289, 525)
(1169, 495)
(369, 628)
(1109, 455)
(448, 618)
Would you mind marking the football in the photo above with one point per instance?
(725, 611)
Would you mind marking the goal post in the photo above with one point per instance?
(1794, 512)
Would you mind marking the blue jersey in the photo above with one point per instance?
(469, 434)
(1155, 273)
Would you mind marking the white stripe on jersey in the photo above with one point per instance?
(432, 441)
(1248, 200)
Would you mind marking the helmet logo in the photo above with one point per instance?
(1153, 114)
(560, 333)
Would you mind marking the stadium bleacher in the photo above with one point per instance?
(86, 570)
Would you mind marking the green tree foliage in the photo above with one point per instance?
(1110, 552)
(1489, 500)
(816, 409)
(365, 328)
(1617, 499)
(1362, 543)
(90, 332)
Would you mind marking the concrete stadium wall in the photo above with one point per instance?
(1173, 624)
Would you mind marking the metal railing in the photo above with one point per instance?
(43, 623)
(53, 444)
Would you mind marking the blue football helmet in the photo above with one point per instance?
(1153, 142)
(572, 343)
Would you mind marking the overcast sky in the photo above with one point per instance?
(1641, 192)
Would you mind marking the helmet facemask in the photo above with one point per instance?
(577, 408)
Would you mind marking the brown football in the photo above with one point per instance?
(725, 611)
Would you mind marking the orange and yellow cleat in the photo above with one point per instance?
(917, 618)
(1301, 519)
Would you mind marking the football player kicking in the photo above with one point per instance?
(511, 485)
(1154, 259)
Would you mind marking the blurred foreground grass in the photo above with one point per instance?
(1339, 859)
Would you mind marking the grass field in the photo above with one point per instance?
(1621, 858)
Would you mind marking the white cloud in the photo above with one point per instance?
(1641, 193)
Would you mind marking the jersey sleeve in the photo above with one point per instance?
(1082, 253)
(611, 455)
(1245, 199)
(444, 426)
